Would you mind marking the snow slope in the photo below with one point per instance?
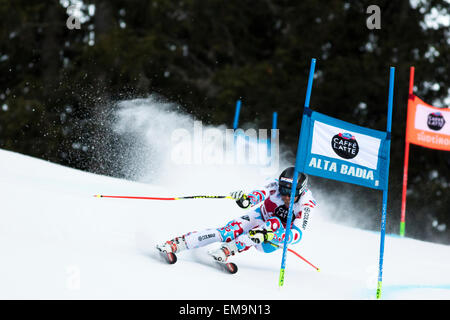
(57, 241)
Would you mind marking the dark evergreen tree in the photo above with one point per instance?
(57, 85)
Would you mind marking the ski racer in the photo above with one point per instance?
(263, 227)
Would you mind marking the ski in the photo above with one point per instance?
(228, 267)
(169, 257)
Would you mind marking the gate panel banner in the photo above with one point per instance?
(342, 151)
(428, 126)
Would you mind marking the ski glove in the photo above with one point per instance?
(241, 199)
(260, 235)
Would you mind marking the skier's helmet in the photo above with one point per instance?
(285, 182)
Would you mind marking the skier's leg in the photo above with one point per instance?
(244, 242)
(230, 231)
(235, 236)
(230, 248)
(190, 240)
(275, 224)
(239, 226)
(201, 238)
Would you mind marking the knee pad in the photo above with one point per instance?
(231, 231)
(295, 234)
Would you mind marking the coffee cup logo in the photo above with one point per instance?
(282, 213)
(435, 121)
(345, 145)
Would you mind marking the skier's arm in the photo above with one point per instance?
(258, 196)
(303, 217)
(302, 221)
(255, 197)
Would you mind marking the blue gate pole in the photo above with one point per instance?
(385, 190)
(235, 126)
(294, 182)
(274, 120)
(236, 114)
(272, 134)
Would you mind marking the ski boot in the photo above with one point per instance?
(222, 254)
(169, 248)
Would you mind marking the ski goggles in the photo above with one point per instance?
(286, 191)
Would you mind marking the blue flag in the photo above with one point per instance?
(338, 150)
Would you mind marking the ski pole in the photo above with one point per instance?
(290, 250)
(157, 198)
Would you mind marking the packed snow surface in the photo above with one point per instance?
(57, 241)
